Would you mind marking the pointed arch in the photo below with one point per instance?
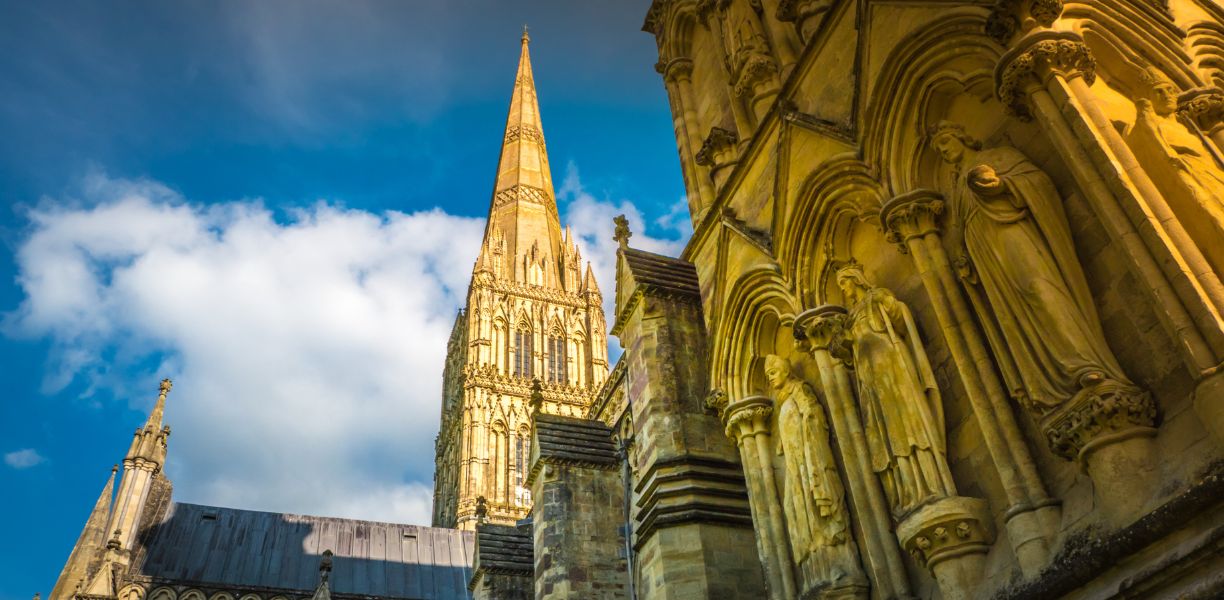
(759, 312)
(921, 77)
(836, 195)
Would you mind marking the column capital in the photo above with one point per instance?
(1202, 106)
(910, 215)
(1099, 415)
(821, 325)
(946, 529)
(743, 417)
(1036, 58)
(1009, 17)
(676, 69)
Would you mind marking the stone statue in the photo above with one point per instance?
(1181, 164)
(1017, 243)
(813, 498)
(901, 405)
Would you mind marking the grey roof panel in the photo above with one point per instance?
(232, 548)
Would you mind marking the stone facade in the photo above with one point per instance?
(534, 318)
(959, 275)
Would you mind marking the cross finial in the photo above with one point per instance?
(165, 386)
(622, 233)
(526, 38)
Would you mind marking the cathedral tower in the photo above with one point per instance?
(534, 315)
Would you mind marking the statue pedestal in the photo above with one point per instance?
(951, 537)
(1108, 428)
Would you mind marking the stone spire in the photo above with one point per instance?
(89, 545)
(523, 222)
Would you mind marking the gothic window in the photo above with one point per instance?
(520, 462)
(556, 358)
(522, 351)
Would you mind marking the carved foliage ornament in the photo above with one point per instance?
(1043, 55)
(1008, 17)
(718, 148)
(1109, 408)
(1203, 107)
(911, 215)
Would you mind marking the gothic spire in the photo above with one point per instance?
(524, 207)
(89, 545)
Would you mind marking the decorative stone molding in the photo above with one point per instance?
(524, 132)
(1009, 17)
(756, 77)
(753, 409)
(910, 215)
(718, 152)
(716, 401)
(1204, 107)
(677, 69)
(946, 529)
(823, 326)
(1034, 60)
(1103, 414)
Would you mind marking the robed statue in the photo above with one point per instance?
(900, 402)
(1017, 243)
(1181, 163)
(813, 496)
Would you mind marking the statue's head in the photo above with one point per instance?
(852, 281)
(951, 140)
(777, 371)
(1160, 90)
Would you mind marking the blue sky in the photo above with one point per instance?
(277, 204)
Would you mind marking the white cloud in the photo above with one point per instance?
(23, 459)
(306, 352)
(306, 348)
(590, 219)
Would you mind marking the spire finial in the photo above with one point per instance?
(526, 38)
(622, 233)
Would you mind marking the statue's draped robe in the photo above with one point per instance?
(814, 496)
(1020, 246)
(1181, 163)
(902, 410)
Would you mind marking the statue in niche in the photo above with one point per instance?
(813, 498)
(1181, 164)
(1017, 243)
(901, 405)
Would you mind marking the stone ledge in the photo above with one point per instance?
(1086, 557)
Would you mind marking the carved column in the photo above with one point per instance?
(678, 76)
(1032, 518)
(881, 556)
(1046, 77)
(754, 73)
(748, 423)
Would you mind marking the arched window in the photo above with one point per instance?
(557, 358)
(520, 461)
(522, 351)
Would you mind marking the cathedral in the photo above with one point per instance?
(950, 326)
